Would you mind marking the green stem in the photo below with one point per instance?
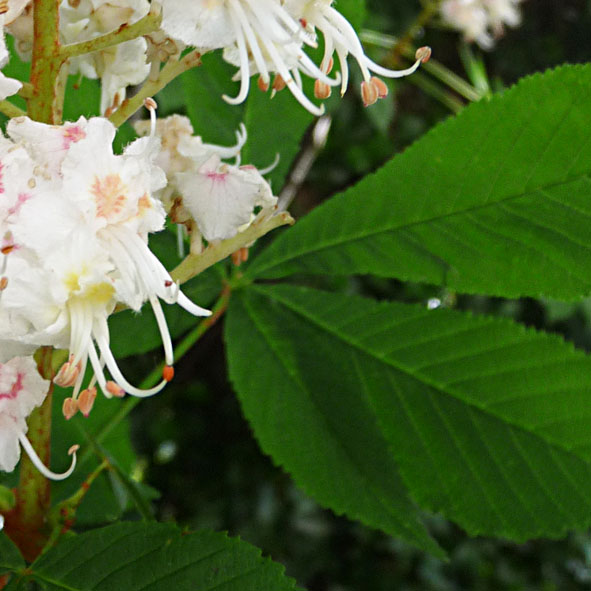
(26, 523)
(437, 92)
(194, 264)
(126, 32)
(46, 61)
(63, 515)
(10, 110)
(170, 71)
(26, 90)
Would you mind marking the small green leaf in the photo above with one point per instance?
(496, 200)
(488, 422)
(152, 557)
(306, 404)
(10, 557)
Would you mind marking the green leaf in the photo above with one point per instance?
(496, 201)
(152, 557)
(489, 422)
(306, 404)
(10, 557)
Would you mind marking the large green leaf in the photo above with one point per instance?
(286, 374)
(496, 200)
(152, 557)
(489, 422)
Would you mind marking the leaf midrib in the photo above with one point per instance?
(339, 240)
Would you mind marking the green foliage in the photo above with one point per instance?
(487, 421)
(493, 201)
(134, 556)
(10, 557)
(324, 434)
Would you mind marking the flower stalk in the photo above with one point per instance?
(170, 71)
(194, 264)
(26, 523)
(126, 32)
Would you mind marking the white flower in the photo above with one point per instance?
(80, 247)
(22, 389)
(481, 20)
(268, 37)
(221, 198)
(8, 86)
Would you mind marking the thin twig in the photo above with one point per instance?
(152, 87)
(126, 32)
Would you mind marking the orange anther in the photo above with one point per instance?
(68, 373)
(278, 83)
(369, 93)
(380, 87)
(69, 408)
(150, 103)
(86, 400)
(168, 373)
(263, 86)
(114, 389)
(321, 90)
(3, 283)
(423, 54)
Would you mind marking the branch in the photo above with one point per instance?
(126, 32)
(11, 110)
(152, 87)
(196, 263)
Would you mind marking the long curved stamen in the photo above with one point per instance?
(265, 22)
(271, 167)
(294, 27)
(163, 328)
(99, 376)
(349, 42)
(158, 280)
(244, 66)
(313, 71)
(41, 466)
(232, 151)
(253, 44)
(288, 79)
(386, 73)
(113, 368)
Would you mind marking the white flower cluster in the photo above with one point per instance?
(481, 20)
(212, 197)
(268, 37)
(264, 37)
(74, 225)
(75, 217)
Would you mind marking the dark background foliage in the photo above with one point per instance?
(197, 450)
